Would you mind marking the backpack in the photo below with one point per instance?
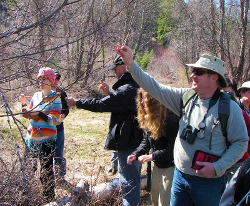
(223, 108)
(242, 185)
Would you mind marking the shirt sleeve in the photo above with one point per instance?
(238, 140)
(169, 96)
(121, 101)
(65, 107)
(54, 112)
(141, 149)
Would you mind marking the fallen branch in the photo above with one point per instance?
(104, 191)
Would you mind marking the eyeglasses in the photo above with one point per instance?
(199, 72)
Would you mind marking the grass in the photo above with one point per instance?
(85, 137)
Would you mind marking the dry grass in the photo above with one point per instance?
(85, 136)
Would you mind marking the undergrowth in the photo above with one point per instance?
(85, 136)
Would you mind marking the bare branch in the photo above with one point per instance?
(46, 18)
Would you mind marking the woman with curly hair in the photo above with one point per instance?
(161, 126)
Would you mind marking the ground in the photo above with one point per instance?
(85, 136)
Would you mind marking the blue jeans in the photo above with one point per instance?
(189, 190)
(130, 179)
(58, 158)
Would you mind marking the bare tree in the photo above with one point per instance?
(205, 27)
(244, 6)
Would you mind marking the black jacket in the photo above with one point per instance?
(162, 148)
(65, 107)
(124, 132)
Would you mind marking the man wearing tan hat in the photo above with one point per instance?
(198, 181)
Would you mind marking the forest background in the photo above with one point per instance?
(78, 37)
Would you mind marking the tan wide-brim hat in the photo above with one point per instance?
(214, 64)
(245, 85)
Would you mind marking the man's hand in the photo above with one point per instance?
(70, 101)
(105, 88)
(126, 54)
(130, 159)
(22, 99)
(145, 158)
(62, 116)
(207, 170)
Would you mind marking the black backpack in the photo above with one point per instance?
(242, 185)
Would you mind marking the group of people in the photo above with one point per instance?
(191, 151)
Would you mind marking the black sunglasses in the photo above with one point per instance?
(199, 72)
(119, 62)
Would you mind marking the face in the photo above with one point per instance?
(119, 70)
(55, 85)
(229, 89)
(202, 80)
(44, 83)
(245, 97)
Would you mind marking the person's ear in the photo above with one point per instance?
(124, 68)
(214, 77)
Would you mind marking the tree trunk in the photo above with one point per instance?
(213, 35)
(222, 15)
(244, 5)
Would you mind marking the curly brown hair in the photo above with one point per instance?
(151, 114)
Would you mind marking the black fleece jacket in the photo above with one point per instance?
(161, 148)
(124, 132)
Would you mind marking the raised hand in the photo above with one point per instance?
(105, 88)
(126, 54)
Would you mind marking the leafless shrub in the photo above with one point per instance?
(14, 189)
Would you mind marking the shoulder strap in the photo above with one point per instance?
(239, 185)
(223, 108)
(224, 112)
(185, 99)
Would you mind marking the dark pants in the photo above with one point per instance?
(44, 152)
(47, 173)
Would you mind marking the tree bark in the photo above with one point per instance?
(244, 5)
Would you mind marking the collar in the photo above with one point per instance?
(124, 79)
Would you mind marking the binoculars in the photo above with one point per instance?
(189, 134)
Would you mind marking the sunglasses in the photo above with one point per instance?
(199, 72)
(119, 63)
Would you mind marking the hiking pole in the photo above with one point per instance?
(149, 176)
(245, 197)
(148, 167)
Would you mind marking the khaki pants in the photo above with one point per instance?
(161, 185)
